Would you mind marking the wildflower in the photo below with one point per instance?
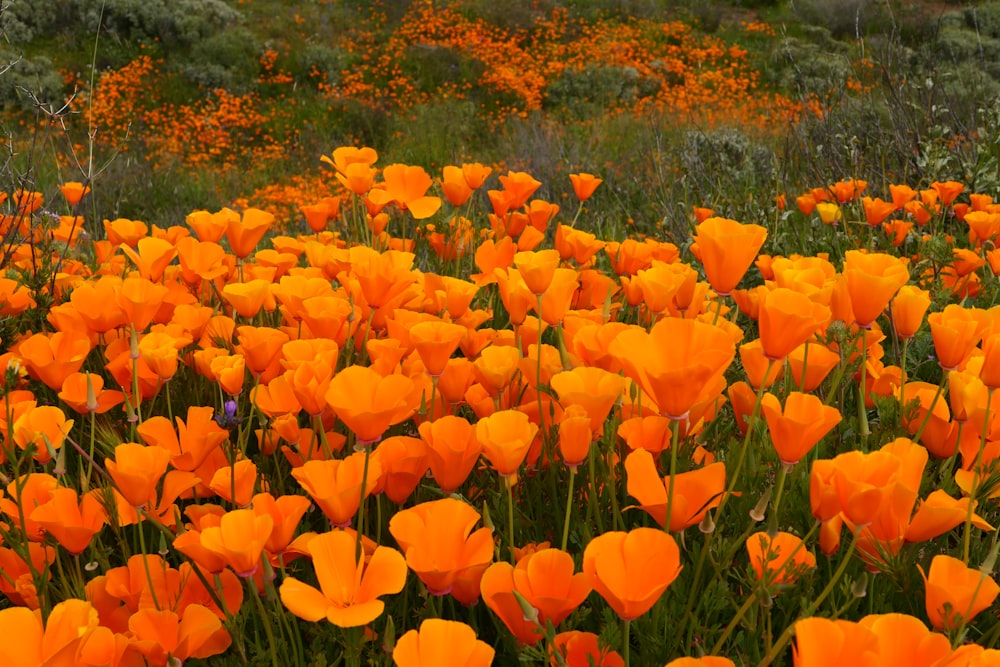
(440, 642)
(727, 250)
(956, 593)
(632, 570)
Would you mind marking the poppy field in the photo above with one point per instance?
(394, 414)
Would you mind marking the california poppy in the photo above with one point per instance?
(246, 231)
(336, 484)
(545, 582)
(452, 450)
(72, 520)
(505, 437)
(435, 342)
(349, 587)
(956, 593)
(194, 633)
(956, 331)
(239, 539)
(796, 428)
(820, 641)
(406, 186)
(779, 559)
(632, 570)
(908, 308)
(676, 362)
(582, 649)
(439, 642)
(727, 250)
(695, 492)
(788, 319)
(369, 403)
(441, 547)
(872, 280)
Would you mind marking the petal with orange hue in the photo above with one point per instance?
(440, 642)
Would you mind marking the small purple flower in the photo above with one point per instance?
(228, 418)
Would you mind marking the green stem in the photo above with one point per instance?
(786, 636)
(510, 515)
(975, 478)
(265, 618)
(626, 643)
(569, 508)
(930, 408)
(361, 506)
(674, 443)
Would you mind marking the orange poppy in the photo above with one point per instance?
(239, 539)
(695, 492)
(582, 649)
(632, 570)
(140, 299)
(335, 485)
(44, 429)
(53, 357)
(440, 642)
(349, 587)
(441, 547)
(452, 450)
(779, 559)
(235, 483)
(820, 642)
(676, 362)
(404, 463)
(71, 520)
(151, 256)
(727, 248)
(197, 632)
(584, 185)
(545, 582)
(956, 331)
(576, 244)
(435, 342)
(796, 428)
(406, 186)
(575, 436)
(245, 232)
(908, 308)
(956, 593)
(872, 280)
(247, 298)
(704, 661)
(505, 437)
(369, 403)
(454, 186)
(854, 483)
(285, 513)
(84, 392)
(558, 297)
(948, 191)
(136, 470)
(787, 319)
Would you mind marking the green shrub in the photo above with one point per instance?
(228, 59)
(29, 81)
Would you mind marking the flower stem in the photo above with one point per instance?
(569, 507)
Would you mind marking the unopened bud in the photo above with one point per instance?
(530, 613)
(707, 524)
(759, 510)
(389, 636)
(859, 587)
(91, 395)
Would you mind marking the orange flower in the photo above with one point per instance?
(780, 559)
(140, 299)
(695, 492)
(192, 443)
(632, 570)
(820, 642)
(796, 428)
(52, 358)
(505, 437)
(537, 268)
(151, 257)
(956, 593)
(369, 403)
(406, 187)
(195, 632)
(435, 341)
(545, 582)
(704, 661)
(61, 640)
(235, 483)
(582, 649)
(575, 436)
(584, 185)
(727, 249)
(74, 191)
(260, 347)
(71, 520)
(244, 233)
(247, 298)
(908, 308)
(441, 547)
(349, 587)
(854, 483)
(948, 191)
(285, 513)
(229, 371)
(136, 470)
(211, 227)
(576, 244)
(955, 331)
(452, 450)
(44, 429)
(440, 642)
(239, 539)
(456, 190)
(335, 485)
(84, 392)
(872, 280)
(676, 363)
(788, 319)
(404, 462)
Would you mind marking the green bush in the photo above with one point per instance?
(228, 59)
(29, 81)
